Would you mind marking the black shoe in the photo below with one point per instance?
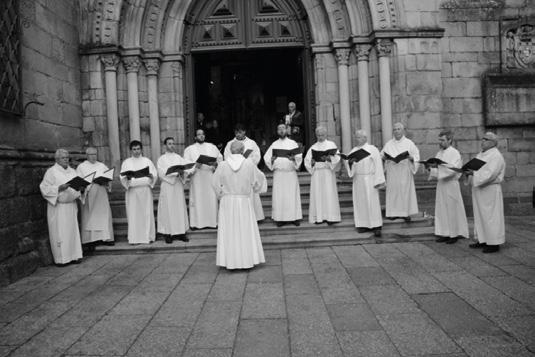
(168, 238)
(279, 223)
(377, 232)
(442, 239)
(77, 261)
(407, 219)
(89, 247)
(108, 243)
(297, 223)
(182, 238)
(452, 240)
(477, 245)
(362, 230)
(491, 249)
(330, 223)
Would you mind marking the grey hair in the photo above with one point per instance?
(236, 147)
(59, 152)
(92, 148)
(492, 137)
(321, 129)
(399, 123)
(361, 132)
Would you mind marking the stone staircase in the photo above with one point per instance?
(274, 237)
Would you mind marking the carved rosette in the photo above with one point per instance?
(131, 64)
(342, 56)
(110, 62)
(363, 52)
(152, 66)
(384, 47)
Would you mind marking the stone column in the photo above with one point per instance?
(110, 69)
(132, 64)
(384, 48)
(177, 69)
(363, 52)
(342, 57)
(153, 65)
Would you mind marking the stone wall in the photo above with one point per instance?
(50, 75)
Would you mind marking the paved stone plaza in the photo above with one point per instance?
(398, 299)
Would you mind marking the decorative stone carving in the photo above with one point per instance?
(176, 68)
(363, 52)
(384, 47)
(151, 25)
(342, 56)
(152, 66)
(518, 45)
(132, 63)
(110, 62)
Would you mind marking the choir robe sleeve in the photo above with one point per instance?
(489, 173)
(298, 161)
(453, 158)
(267, 158)
(162, 168)
(217, 184)
(379, 174)
(260, 182)
(49, 189)
(255, 155)
(415, 153)
(308, 161)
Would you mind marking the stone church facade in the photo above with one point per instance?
(104, 72)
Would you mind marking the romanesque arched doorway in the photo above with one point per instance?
(244, 61)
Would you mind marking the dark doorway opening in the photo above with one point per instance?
(252, 87)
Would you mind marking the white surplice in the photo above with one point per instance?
(286, 199)
(238, 239)
(254, 156)
(172, 210)
(62, 214)
(97, 224)
(450, 215)
(202, 200)
(400, 189)
(487, 197)
(366, 174)
(139, 201)
(324, 203)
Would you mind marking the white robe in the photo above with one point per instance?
(286, 199)
(97, 223)
(366, 174)
(202, 200)
(62, 214)
(324, 203)
(489, 224)
(450, 216)
(238, 239)
(172, 210)
(139, 201)
(250, 144)
(400, 189)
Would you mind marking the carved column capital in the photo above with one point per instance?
(384, 47)
(342, 56)
(152, 66)
(363, 52)
(131, 63)
(110, 62)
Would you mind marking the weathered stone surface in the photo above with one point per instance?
(50, 342)
(388, 299)
(262, 338)
(492, 346)
(352, 317)
(368, 276)
(366, 343)
(228, 286)
(299, 284)
(159, 341)
(216, 326)
(263, 300)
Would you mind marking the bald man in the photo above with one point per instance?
(97, 225)
(487, 198)
(238, 237)
(62, 210)
(324, 203)
(400, 189)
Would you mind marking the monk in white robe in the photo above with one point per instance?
(138, 197)
(286, 199)
(97, 224)
(62, 210)
(324, 203)
(368, 177)
(202, 200)
(400, 189)
(487, 198)
(238, 239)
(254, 156)
(172, 211)
(450, 216)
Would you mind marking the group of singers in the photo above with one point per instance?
(233, 186)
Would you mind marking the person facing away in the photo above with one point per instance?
(238, 238)
(487, 197)
(97, 224)
(450, 216)
(138, 196)
(324, 203)
(400, 189)
(202, 200)
(62, 210)
(286, 195)
(172, 211)
(254, 156)
(368, 178)
(294, 123)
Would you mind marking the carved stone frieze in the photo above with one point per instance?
(131, 63)
(152, 66)
(518, 44)
(363, 52)
(384, 47)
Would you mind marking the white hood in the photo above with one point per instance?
(235, 161)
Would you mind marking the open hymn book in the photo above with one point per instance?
(107, 176)
(78, 183)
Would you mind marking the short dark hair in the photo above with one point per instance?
(167, 139)
(447, 133)
(239, 127)
(135, 143)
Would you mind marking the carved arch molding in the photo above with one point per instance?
(241, 24)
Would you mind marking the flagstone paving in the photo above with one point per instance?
(396, 299)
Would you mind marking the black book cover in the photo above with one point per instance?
(106, 177)
(286, 153)
(319, 156)
(178, 168)
(399, 158)
(247, 153)
(144, 172)
(206, 160)
(433, 161)
(474, 165)
(356, 155)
